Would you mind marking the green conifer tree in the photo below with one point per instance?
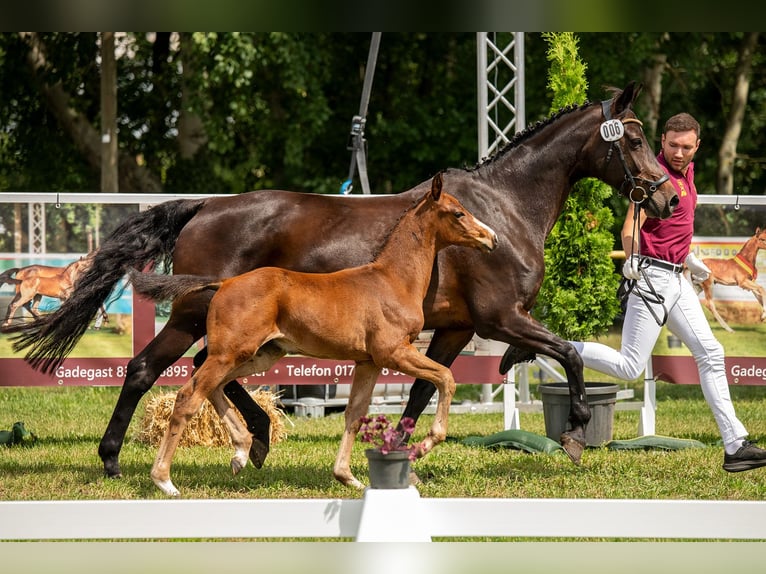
(577, 299)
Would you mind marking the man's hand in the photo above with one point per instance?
(630, 268)
(699, 271)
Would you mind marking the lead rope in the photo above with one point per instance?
(652, 297)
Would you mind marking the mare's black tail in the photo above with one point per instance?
(148, 236)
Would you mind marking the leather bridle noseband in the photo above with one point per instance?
(638, 185)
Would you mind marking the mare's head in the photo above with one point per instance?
(455, 225)
(629, 162)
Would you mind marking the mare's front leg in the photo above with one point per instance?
(409, 360)
(240, 436)
(365, 376)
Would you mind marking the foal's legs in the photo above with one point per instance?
(444, 348)
(258, 422)
(188, 402)
(409, 360)
(240, 436)
(365, 376)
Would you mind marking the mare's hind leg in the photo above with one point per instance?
(240, 437)
(33, 306)
(365, 376)
(409, 360)
(142, 371)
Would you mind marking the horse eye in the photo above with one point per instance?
(636, 143)
(459, 214)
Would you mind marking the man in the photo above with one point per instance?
(656, 250)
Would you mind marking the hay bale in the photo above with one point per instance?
(205, 428)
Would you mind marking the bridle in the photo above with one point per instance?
(613, 130)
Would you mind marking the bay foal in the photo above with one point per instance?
(369, 314)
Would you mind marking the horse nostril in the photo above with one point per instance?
(674, 201)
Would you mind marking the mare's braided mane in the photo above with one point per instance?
(528, 132)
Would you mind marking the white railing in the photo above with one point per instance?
(382, 516)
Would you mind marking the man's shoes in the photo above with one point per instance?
(747, 457)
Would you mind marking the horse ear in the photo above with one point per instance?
(627, 98)
(436, 187)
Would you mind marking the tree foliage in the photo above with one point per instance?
(233, 112)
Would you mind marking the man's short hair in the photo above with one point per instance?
(682, 122)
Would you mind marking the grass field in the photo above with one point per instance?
(69, 422)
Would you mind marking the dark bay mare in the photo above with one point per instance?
(519, 192)
(369, 314)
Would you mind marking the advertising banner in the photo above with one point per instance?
(734, 310)
(130, 322)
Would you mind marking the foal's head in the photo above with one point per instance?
(455, 224)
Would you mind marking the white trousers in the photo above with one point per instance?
(687, 321)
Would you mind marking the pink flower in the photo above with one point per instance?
(380, 433)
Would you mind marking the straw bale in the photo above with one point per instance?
(205, 428)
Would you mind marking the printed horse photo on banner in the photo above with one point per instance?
(739, 270)
(33, 282)
(28, 292)
(520, 192)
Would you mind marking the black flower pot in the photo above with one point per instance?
(391, 470)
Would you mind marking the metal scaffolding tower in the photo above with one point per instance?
(500, 67)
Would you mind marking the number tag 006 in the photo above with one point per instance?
(612, 130)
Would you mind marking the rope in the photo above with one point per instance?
(357, 143)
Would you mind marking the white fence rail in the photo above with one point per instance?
(378, 517)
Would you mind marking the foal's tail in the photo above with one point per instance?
(166, 287)
(6, 277)
(146, 237)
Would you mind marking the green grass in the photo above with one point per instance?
(69, 422)
(63, 464)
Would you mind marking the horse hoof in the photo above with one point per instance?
(258, 452)
(168, 488)
(112, 470)
(514, 355)
(237, 464)
(573, 447)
